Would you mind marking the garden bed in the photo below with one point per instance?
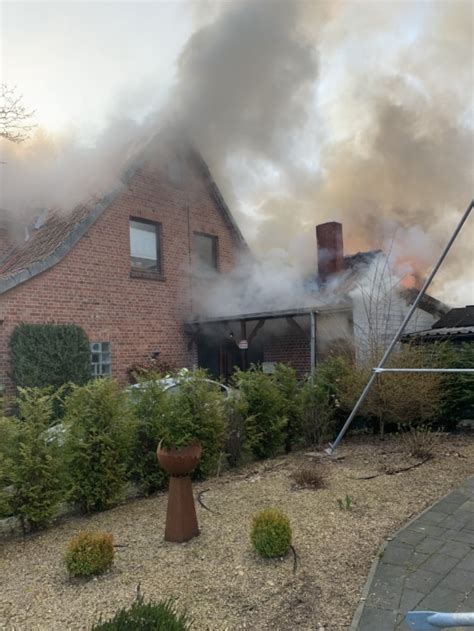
(217, 576)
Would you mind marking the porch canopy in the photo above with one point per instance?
(243, 329)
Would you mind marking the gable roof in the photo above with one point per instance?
(50, 242)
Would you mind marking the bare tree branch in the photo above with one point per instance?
(15, 118)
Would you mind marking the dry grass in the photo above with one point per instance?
(309, 476)
(421, 442)
(217, 576)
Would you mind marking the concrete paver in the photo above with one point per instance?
(428, 565)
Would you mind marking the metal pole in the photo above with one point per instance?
(398, 334)
(380, 370)
(425, 620)
(312, 316)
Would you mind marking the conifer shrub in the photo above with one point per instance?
(32, 467)
(160, 616)
(99, 426)
(287, 382)
(457, 402)
(49, 355)
(271, 533)
(89, 553)
(8, 447)
(241, 430)
(266, 407)
(149, 401)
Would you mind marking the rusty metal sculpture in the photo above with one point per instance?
(181, 520)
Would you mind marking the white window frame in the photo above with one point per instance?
(102, 367)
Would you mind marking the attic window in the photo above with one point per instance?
(205, 249)
(145, 245)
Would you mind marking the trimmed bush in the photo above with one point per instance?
(49, 355)
(266, 406)
(89, 553)
(161, 616)
(271, 533)
(32, 465)
(99, 427)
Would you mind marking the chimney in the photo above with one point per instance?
(330, 249)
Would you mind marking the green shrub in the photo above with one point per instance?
(320, 400)
(271, 533)
(149, 403)
(285, 378)
(49, 355)
(32, 466)
(266, 406)
(195, 411)
(161, 616)
(99, 427)
(89, 553)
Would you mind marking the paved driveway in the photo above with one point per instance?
(428, 565)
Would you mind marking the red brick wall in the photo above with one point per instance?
(92, 286)
(291, 349)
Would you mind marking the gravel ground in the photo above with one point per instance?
(216, 576)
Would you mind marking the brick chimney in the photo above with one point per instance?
(330, 249)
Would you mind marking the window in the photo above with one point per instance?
(205, 247)
(145, 245)
(101, 359)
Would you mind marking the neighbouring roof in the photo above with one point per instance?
(458, 317)
(457, 333)
(456, 325)
(52, 239)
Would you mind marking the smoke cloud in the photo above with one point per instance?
(308, 112)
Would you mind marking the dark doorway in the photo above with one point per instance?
(219, 356)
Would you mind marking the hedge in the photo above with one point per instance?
(49, 355)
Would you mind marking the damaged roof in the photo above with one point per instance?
(51, 239)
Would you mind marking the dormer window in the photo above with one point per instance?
(145, 245)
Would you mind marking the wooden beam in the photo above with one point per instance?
(256, 329)
(294, 325)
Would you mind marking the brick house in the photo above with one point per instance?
(122, 268)
(127, 269)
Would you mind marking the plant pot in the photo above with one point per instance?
(180, 461)
(181, 520)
